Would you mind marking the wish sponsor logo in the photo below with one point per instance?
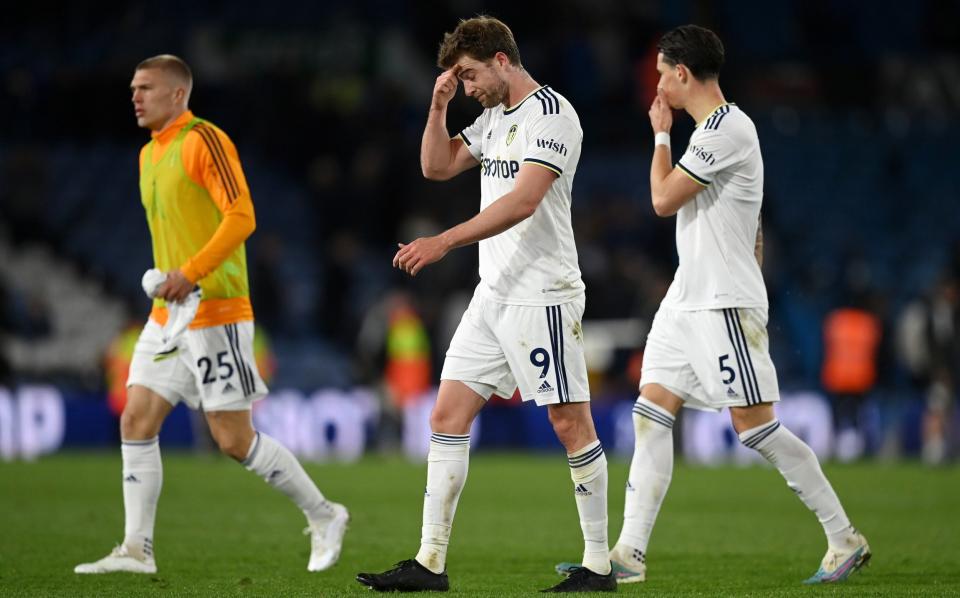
(552, 144)
(703, 154)
(501, 169)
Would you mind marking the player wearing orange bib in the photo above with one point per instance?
(199, 211)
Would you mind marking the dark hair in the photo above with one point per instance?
(171, 64)
(481, 38)
(696, 48)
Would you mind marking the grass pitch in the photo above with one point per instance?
(223, 532)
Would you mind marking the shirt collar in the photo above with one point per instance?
(170, 131)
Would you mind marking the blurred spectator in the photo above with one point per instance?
(394, 351)
(929, 343)
(851, 337)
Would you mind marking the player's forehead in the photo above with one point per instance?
(148, 76)
(468, 64)
(662, 66)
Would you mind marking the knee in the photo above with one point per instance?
(236, 446)
(137, 424)
(572, 432)
(564, 427)
(448, 421)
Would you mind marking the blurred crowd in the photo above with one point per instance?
(326, 102)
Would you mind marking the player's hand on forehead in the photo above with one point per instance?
(446, 86)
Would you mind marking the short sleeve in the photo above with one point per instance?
(473, 134)
(551, 141)
(709, 152)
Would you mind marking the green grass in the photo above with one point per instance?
(223, 532)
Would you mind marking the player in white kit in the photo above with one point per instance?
(523, 326)
(708, 345)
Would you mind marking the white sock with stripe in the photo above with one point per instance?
(278, 467)
(447, 464)
(799, 466)
(142, 481)
(651, 470)
(588, 470)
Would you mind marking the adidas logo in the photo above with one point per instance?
(731, 392)
(545, 387)
(228, 388)
(426, 492)
(275, 473)
(630, 487)
(132, 478)
(581, 490)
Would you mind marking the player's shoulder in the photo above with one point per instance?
(728, 121)
(203, 126)
(548, 104)
(206, 135)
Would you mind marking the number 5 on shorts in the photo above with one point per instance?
(726, 370)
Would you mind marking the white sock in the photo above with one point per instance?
(447, 464)
(650, 472)
(142, 480)
(799, 466)
(588, 470)
(278, 467)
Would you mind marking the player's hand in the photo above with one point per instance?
(415, 256)
(661, 116)
(175, 288)
(445, 87)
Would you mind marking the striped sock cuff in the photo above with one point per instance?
(146, 442)
(653, 412)
(754, 436)
(586, 455)
(450, 439)
(252, 453)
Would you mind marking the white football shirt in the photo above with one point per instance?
(717, 229)
(535, 261)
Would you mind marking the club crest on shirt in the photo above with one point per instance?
(511, 134)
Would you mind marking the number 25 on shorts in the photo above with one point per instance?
(224, 368)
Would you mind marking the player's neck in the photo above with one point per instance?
(701, 105)
(174, 116)
(520, 86)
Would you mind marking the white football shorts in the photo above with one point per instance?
(712, 358)
(499, 347)
(213, 367)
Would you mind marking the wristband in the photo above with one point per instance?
(662, 138)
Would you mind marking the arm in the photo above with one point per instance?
(670, 188)
(533, 182)
(441, 157)
(211, 160)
